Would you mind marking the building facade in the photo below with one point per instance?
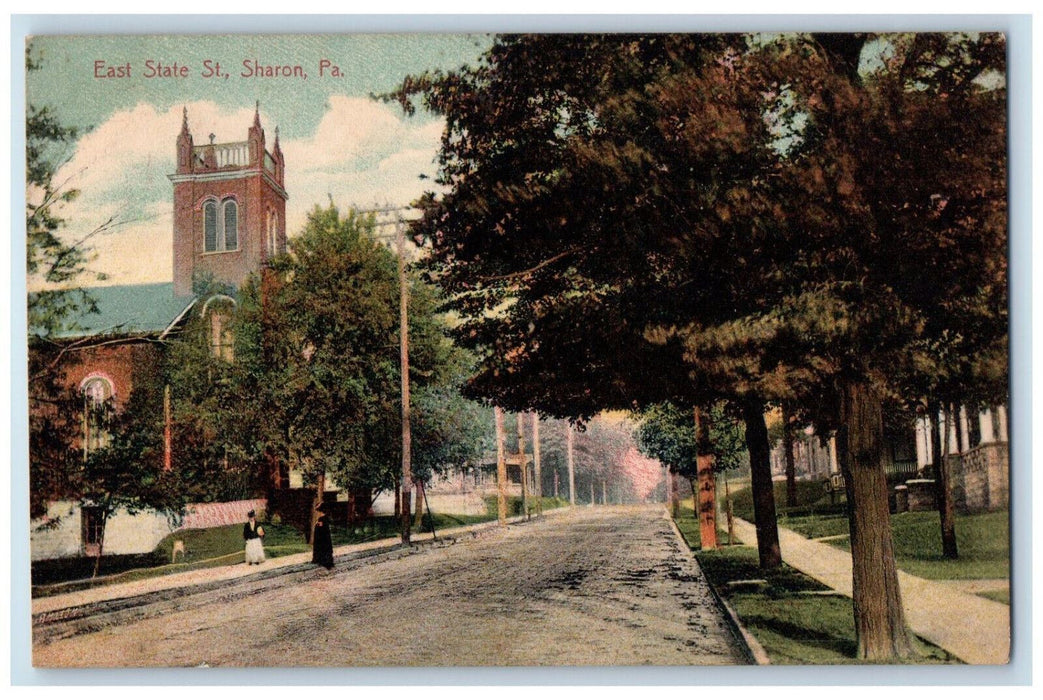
(229, 220)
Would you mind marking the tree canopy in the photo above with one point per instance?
(819, 219)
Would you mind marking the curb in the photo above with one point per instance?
(751, 648)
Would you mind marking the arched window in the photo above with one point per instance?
(231, 224)
(210, 226)
(97, 393)
(220, 233)
(218, 312)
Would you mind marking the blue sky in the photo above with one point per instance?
(337, 141)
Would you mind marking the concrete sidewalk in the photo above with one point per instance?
(231, 572)
(974, 629)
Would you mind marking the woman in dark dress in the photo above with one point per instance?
(322, 543)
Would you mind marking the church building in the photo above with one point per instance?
(229, 202)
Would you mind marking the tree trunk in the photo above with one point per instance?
(592, 491)
(768, 551)
(501, 467)
(791, 464)
(728, 513)
(879, 618)
(352, 505)
(675, 502)
(934, 410)
(101, 543)
(943, 491)
(571, 463)
(695, 497)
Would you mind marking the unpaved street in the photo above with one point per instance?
(608, 586)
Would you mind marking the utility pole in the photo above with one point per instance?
(406, 477)
(707, 490)
(571, 463)
(536, 462)
(501, 467)
(403, 321)
(523, 464)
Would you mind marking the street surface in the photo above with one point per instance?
(593, 586)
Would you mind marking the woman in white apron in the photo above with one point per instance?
(252, 533)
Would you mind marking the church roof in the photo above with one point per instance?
(132, 309)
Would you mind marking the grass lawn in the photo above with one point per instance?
(983, 539)
(789, 614)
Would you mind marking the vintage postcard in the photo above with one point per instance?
(527, 350)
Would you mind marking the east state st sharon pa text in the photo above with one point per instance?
(247, 68)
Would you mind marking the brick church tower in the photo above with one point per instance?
(229, 207)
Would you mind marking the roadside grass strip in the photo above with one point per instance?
(795, 618)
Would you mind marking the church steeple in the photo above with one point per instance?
(277, 157)
(229, 206)
(256, 137)
(184, 144)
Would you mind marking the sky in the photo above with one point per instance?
(338, 142)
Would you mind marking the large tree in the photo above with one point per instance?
(311, 379)
(56, 260)
(124, 470)
(633, 219)
(559, 240)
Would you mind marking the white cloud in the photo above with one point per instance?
(361, 153)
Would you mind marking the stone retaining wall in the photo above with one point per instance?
(981, 478)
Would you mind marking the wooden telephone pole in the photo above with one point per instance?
(403, 321)
(406, 476)
(536, 462)
(571, 463)
(523, 465)
(501, 467)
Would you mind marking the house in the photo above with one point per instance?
(229, 219)
(978, 459)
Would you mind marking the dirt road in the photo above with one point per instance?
(602, 586)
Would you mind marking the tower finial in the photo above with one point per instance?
(257, 113)
(184, 119)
